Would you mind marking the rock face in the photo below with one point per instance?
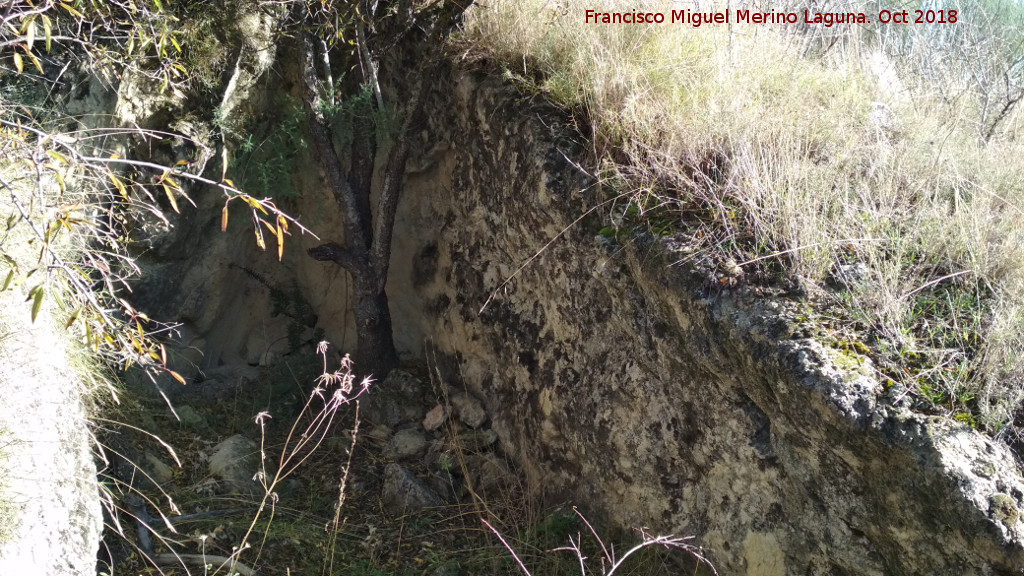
(616, 380)
(50, 513)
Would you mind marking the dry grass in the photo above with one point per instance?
(812, 146)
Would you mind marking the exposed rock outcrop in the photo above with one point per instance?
(49, 498)
(620, 380)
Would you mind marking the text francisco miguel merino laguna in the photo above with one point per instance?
(730, 16)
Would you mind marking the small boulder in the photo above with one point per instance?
(470, 410)
(435, 418)
(396, 400)
(190, 418)
(406, 444)
(404, 492)
(158, 471)
(234, 462)
(475, 440)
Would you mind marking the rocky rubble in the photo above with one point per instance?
(432, 456)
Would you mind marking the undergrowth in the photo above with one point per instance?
(819, 151)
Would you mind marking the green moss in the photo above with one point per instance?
(1003, 509)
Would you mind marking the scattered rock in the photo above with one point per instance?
(435, 418)
(158, 471)
(380, 433)
(234, 462)
(470, 410)
(189, 417)
(404, 492)
(396, 400)
(473, 440)
(406, 444)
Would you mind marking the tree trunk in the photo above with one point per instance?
(375, 348)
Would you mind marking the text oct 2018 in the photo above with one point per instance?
(736, 16)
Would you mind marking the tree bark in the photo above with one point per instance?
(375, 344)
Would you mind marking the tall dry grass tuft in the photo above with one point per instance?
(823, 149)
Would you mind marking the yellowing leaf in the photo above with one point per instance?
(60, 181)
(35, 62)
(71, 320)
(8, 280)
(224, 219)
(270, 228)
(177, 377)
(280, 244)
(229, 182)
(170, 198)
(119, 185)
(259, 238)
(57, 156)
(30, 32)
(18, 63)
(71, 10)
(48, 31)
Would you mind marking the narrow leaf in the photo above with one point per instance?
(71, 10)
(71, 320)
(259, 238)
(35, 62)
(170, 197)
(48, 31)
(18, 63)
(280, 244)
(30, 32)
(177, 377)
(58, 156)
(119, 185)
(8, 280)
(224, 219)
(37, 303)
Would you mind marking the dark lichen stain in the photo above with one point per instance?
(424, 265)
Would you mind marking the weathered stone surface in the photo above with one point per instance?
(614, 377)
(234, 462)
(397, 400)
(404, 492)
(470, 411)
(406, 444)
(474, 440)
(435, 418)
(50, 513)
(158, 471)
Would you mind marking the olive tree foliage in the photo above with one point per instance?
(66, 199)
(353, 39)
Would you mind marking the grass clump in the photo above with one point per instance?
(806, 147)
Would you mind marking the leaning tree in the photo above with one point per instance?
(354, 41)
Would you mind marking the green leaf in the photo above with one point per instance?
(8, 280)
(37, 303)
(48, 30)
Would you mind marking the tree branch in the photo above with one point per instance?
(327, 155)
(340, 255)
(394, 176)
